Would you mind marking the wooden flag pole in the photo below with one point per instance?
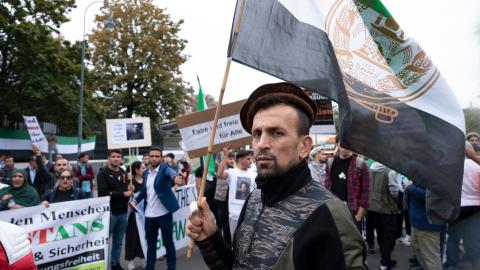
(201, 192)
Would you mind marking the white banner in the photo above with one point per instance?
(67, 235)
(198, 136)
(36, 134)
(185, 195)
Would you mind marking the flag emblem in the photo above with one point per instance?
(381, 66)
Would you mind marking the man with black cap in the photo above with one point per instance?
(290, 221)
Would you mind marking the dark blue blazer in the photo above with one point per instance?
(162, 187)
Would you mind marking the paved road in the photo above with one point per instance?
(401, 254)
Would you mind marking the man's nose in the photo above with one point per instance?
(263, 142)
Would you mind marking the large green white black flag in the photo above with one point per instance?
(395, 107)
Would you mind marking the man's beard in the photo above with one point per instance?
(270, 171)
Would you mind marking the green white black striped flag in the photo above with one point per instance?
(395, 107)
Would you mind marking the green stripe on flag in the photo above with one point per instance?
(14, 134)
(74, 140)
(376, 5)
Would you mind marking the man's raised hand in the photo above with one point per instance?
(201, 223)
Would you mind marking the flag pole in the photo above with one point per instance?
(201, 192)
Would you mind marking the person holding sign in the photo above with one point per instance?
(160, 204)
(290, 221)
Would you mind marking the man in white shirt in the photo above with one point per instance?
(160, 203)
(241, 180)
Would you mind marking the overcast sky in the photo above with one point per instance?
(447, 30)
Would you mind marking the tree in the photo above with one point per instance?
(191, 102)
(472, 119)
(38, 70)
(137, 64)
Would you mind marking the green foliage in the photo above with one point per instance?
(137, 64)
(472, 119)
(38, 70)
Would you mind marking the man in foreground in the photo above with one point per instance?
(290, 221)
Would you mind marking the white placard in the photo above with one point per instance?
(36, 134)
(128, 133)
(198, 136)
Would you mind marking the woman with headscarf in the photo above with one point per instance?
(19, 194)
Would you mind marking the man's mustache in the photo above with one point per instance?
(264, 154)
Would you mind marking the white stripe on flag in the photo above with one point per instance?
(439, 101)
(14, 144)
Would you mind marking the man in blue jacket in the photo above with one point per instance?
(160, 203)
(425, 235)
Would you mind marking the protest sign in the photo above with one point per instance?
(128, 133)
(36, 135)
(323, 123)
(195, 129)
(185, 196)
(67, 234)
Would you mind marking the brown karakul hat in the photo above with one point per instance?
(293, 93)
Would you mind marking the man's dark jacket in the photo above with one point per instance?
(290, 222)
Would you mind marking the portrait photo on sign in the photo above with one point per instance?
(128, 132)
(135, 131)
(243, 188)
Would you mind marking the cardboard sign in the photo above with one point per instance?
(128, 133)
(195, 129)
(36, 134)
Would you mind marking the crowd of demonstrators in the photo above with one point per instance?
(292, 220)
(152, 181)
(133, 247)
(85, 174)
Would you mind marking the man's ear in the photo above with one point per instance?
(306, 143)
